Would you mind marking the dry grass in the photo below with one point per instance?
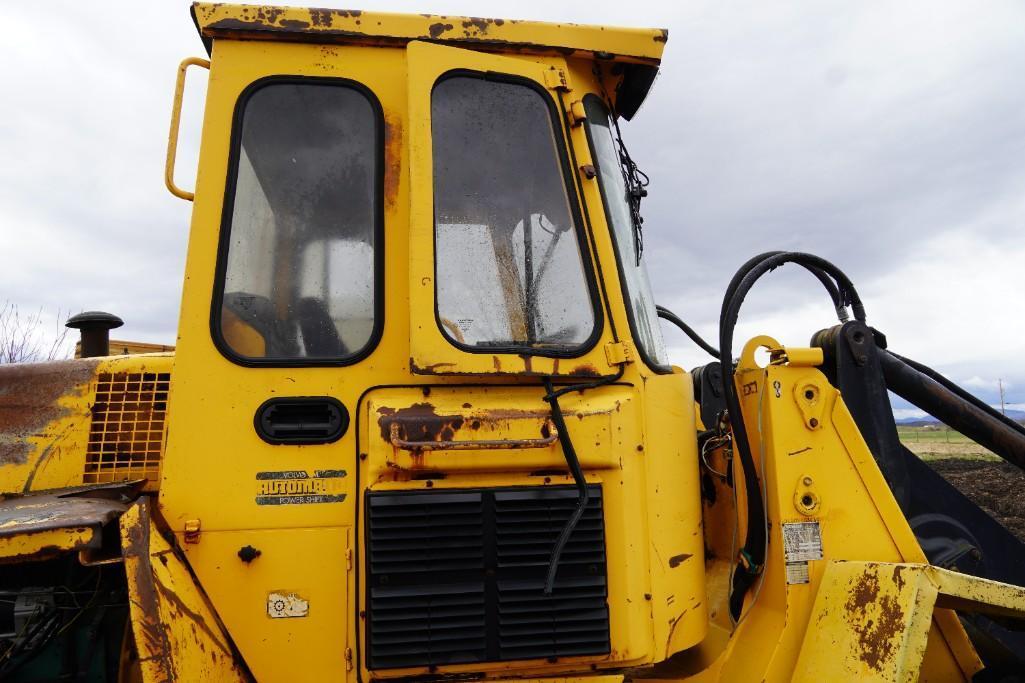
(931, 443)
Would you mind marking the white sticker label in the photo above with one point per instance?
(802, 541)
(797, 572)
(285, 605)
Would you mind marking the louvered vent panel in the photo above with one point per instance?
(574, 619)
(458, 577)
(126, 437)
(426, 563)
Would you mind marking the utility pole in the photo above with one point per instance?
(1000, 383)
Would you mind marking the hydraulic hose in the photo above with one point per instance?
(843, 293)
(573, 462)
(666, 314)
(834, 294)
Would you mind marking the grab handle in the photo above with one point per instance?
(172, 136)
(548, 428)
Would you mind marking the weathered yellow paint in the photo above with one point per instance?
(327, 26)
(858, 517)
(202, 570)
(46, 415)
(872, 619)
(177, 636)
(172, 136)
(44, 544)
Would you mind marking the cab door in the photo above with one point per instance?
(502, 278)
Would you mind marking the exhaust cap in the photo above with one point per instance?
(95, 327)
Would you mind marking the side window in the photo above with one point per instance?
(509, 268)
(634, 276)
(298, 251)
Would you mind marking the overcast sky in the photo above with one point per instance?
(886, 137)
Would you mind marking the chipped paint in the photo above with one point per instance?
(224, 21)
(31, 400)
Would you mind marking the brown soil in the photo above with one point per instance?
(996, 487)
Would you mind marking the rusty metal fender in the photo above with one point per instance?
(40, 525)
(177, 635)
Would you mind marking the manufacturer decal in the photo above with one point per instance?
(299, 487)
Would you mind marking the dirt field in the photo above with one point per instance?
(992, 484)
(996, 487)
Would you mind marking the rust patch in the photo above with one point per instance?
(528, 362)
(898, 578)
(29, 395)
(431, 369)
(392, 159)
(420, 422)
(155, 645)
(676, 560)
(436, 29)
(878, 620)
(585, 371)
(45, 553)
(322, 17)
(197, 619)
(662, 36)
(475, 26)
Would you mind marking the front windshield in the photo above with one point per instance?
(637, 288)
(509, 267)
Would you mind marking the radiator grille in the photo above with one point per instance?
(458, 576)
(126, 437)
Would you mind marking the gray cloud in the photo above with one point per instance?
(886, 137)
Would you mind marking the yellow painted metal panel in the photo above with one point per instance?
(381, 28)
(177, 636)
(872, 619)
(679, 606)
(42, 545)
(256, 599)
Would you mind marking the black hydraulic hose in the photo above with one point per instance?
(949, 407)
(753, 549)
(666, 314)
(834, 294)
(967, 396)
(578, 477)
(570, 454)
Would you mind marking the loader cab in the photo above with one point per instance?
(403, 227)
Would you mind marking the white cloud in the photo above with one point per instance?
(887, 137)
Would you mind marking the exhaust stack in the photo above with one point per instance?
(95, 327)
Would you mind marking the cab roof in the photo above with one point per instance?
(215, 20)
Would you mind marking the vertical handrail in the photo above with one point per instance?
(172, 136)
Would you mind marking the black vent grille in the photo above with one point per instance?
(458, 577)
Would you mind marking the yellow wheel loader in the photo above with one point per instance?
(420, 423)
